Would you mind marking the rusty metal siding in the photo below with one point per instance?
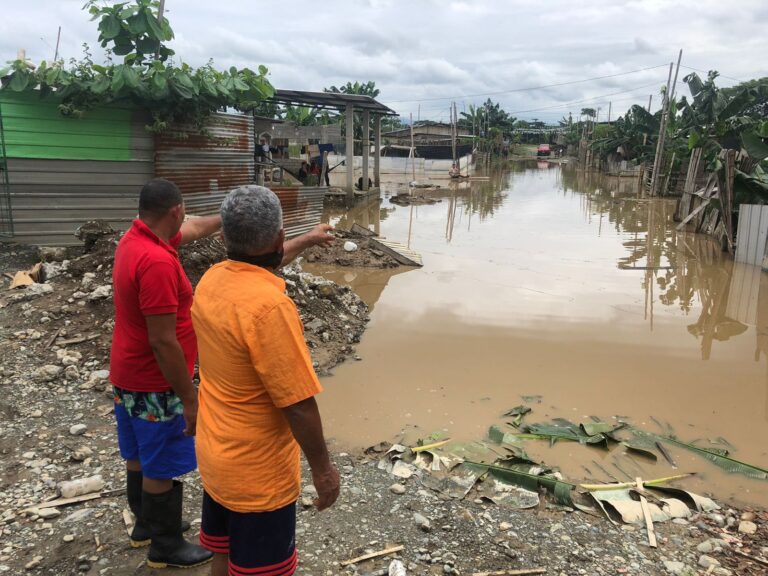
(206, 166)
(302, 206)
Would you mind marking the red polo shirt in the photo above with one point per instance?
(147, 280)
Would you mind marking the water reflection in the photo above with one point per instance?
(543, 280)
(679, 269)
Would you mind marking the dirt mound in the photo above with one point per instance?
(363, 255)
(79, 295)
(407, 199)
(196, 257)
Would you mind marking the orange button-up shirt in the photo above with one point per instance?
(253, 362)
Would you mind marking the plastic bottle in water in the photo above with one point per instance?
(396, 568)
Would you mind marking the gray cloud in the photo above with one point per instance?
(429, 49)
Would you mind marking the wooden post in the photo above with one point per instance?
(413, 151)
(453, 130)
(160, 13)
(377, 151)
(350, 154)
(323, 170)
(366, 148)
(663, 128)
(677, 69)
(660, 142)
(58, 41)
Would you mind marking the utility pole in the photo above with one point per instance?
(663, 127)
(650, 99)
(609, 111)
(413, 151)
(58, 41)
(659, 143)
(160, 13)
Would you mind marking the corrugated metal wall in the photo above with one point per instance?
(302, 206)
(205, 167)
(752, 235)
(65, 171)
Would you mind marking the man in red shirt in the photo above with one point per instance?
(151, 367)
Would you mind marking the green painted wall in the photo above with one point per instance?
(34, 128)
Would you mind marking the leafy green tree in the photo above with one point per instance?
(358, 88)
(715, 120)
(132, 30)
(170, 93)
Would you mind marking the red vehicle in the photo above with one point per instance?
(543, 150)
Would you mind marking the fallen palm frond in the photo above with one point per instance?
(625, 485)
(593, 433)
(561, 490)
(518, 412)
(716, 456)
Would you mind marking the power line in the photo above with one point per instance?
(530, 88)
(567, 104)
(584, 100)
(707, 72)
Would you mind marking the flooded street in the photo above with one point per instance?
(546, 282)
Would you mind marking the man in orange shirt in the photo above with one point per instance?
(256, 402)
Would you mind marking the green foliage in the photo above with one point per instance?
(306, 116)
(635, 133)
(717, 119)
(172, 94)
(488, 120)
(132, 30)
(360, 89)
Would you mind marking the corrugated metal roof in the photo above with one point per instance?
(332, 100)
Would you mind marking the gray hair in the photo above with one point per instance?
(251, 219)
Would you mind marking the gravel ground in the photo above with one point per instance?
(56, 425)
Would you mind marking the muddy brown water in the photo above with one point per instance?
(545, 281)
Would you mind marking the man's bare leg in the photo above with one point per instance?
(220, 566)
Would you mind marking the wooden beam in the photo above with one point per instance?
(377, 150)
(366, 147)
(372, 555)
(646, 514)
(349, 128)
(693, 214)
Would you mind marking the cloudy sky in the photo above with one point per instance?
(538, 59)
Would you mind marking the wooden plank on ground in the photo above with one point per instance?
(76, 499)
(399, 252)
(357, 229)
(519, 572)
(372, 555)
(646, 513)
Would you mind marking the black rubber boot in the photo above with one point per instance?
(140, 535)
(162, 513)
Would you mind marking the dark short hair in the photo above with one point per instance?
(158, 196)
